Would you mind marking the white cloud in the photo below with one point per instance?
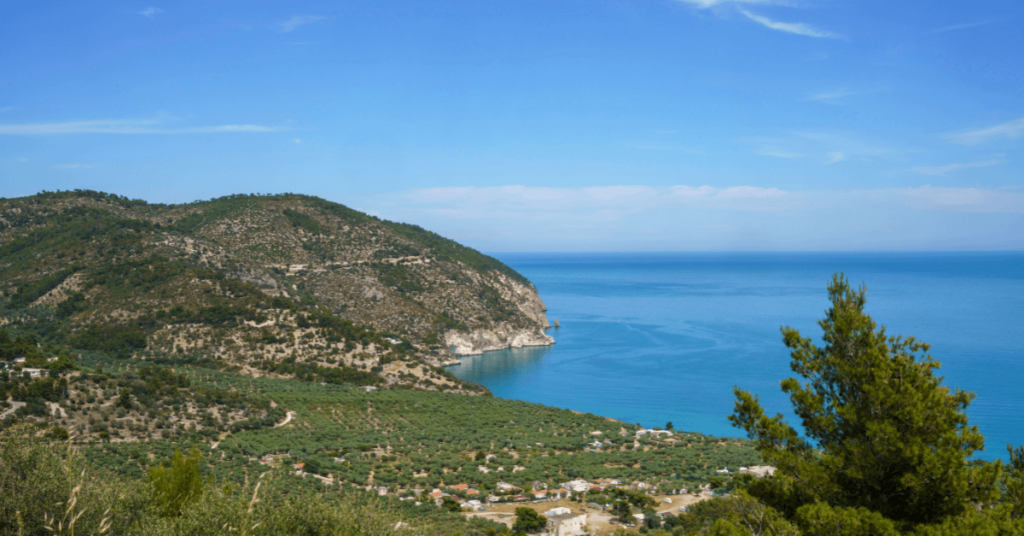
(704, 4)
(231, 128)
(963, 26)
(797, 28)
(6, 109)
(1009, 130)
(777, 153)
(831, 97)
(297, 141)
(942, 171)
(151, 12)
(569, 203)
(119, 126)
(797, 145)
(964, 199)
(73, 166)
(692, 192)
(835, 156)
(299, 20)
(705, 217)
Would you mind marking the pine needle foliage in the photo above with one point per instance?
(886, 445)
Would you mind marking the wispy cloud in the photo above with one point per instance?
(73, 166)
(698, 217)
(777, 153)
(942, 171)
(1009, 130)
(6, 109)
(963, 26)
(623, 199)
(116, 126)
(299, 20)
(832, 97)
(798, 28)
(704, 4)
(964, 199)
(813, 145)
(151, 12)
(835, 156)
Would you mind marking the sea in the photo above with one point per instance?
(653, 338)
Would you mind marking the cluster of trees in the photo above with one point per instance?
(218, 315)
(117, 340)
(309, 372)
(303, 221)
(30, 291)
(46, 488)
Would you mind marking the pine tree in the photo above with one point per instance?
(885, 445)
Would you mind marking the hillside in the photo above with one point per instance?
(278, 285)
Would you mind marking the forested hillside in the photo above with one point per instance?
(282, 285)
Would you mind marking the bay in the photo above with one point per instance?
(656, 337)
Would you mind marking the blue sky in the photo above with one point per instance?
(549, 125)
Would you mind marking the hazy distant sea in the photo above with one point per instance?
(651, 338)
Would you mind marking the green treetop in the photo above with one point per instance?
(885, 442)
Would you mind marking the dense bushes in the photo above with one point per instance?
(303, 221)
(31, 291)
(46, 485)
(119, 341)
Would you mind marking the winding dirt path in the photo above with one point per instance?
(287, 419)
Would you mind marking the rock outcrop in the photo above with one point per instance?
(498, 338)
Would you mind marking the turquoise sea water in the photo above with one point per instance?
(651, 338)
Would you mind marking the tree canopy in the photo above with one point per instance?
(885, 447)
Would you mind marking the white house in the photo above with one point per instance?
(759, 471)
(578, 486)
(562, 522)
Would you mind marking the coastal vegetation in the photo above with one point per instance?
(192, 369)
(886, 449)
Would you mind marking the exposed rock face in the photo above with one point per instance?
(504, 335)
(499, 338)
(527, 300)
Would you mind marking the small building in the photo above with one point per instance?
(759, 471)
(504, 486)
(367, 388)
(459, 487)
(563, 522)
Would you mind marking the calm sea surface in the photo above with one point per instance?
(651, 338)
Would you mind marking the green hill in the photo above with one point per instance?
(280, 285)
